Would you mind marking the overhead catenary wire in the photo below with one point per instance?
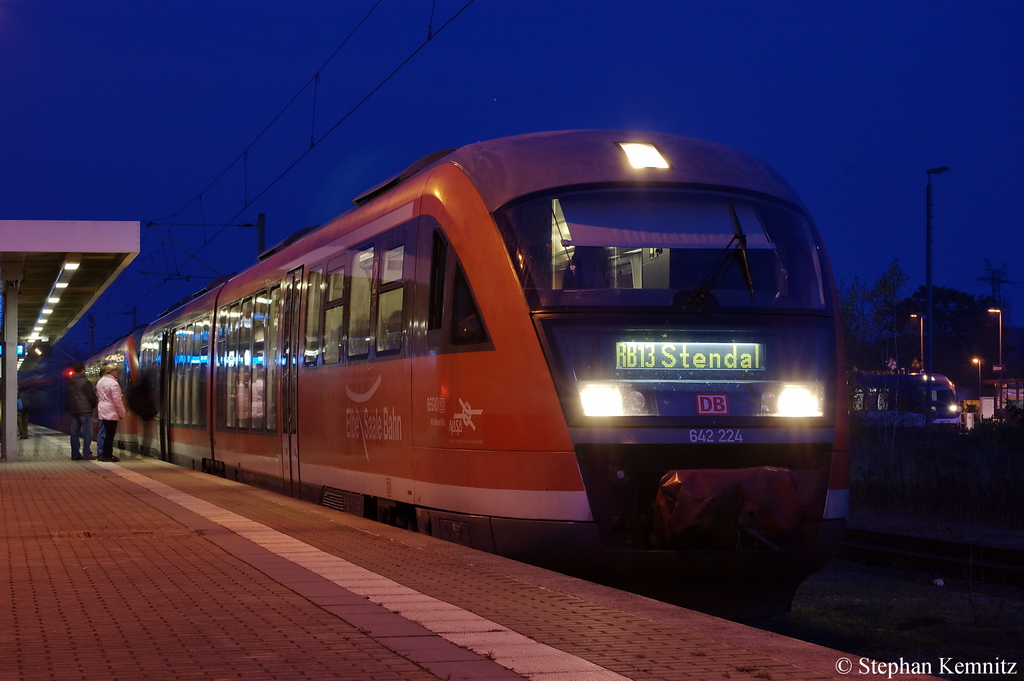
(274, 120)
(314, 141)
(351, 111)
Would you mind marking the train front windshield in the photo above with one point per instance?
(663, 248)
(679, 304)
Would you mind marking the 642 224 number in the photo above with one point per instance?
(706, 435)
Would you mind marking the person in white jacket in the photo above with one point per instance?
(110, 410)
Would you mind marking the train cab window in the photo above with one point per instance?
(334, 314)
(359, 303)
(438, 260)
(314, 311)
(467, 325)
(390, 293)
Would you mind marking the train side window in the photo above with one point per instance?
(334, 315)
(467, 324)
(274, 361)
(223, 324)
(359, 303)
(185, 391)
(314, 311)
(243, 378)
(177, 397)
(231, 364)
(193, 373)
(438, 259)
(201, 367)
(390, 293)
(259, 343)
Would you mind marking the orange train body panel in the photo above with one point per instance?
(502, 409)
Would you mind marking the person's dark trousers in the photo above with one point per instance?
(105, 444)
(81, 428)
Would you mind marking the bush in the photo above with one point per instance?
(937, 472)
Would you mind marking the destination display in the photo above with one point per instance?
(690, 356)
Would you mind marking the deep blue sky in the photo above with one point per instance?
(126, 111)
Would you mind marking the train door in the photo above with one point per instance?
(289, 383)
(165, 378)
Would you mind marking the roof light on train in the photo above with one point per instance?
(643, 155)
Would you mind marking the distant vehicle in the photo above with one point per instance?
(902, 397)
(537, 347)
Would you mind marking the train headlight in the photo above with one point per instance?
(601, 400)
(793, 400)
(613, 399)
(953, 408)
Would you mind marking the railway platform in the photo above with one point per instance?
(143, 570)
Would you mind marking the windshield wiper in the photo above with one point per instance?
(735, 250)
(741, 250)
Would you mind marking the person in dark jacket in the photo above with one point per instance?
(82, 402)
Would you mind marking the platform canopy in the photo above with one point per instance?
(73, 261)
(51, 272)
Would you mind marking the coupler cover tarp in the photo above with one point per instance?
(722, 506)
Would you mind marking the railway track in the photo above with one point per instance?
(986, 564)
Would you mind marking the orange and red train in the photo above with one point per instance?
(615, 354)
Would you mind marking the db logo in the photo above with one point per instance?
(712, 404)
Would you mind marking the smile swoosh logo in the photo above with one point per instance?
(363, 397)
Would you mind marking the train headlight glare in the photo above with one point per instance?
(601, 400)
(953, 408)
(798, 400)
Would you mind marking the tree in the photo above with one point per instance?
(871, 321)
(962, 328)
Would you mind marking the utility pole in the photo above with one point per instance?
(928, 276)
(261, 234)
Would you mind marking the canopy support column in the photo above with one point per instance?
(12, 271)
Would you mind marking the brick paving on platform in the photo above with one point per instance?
(144, 570)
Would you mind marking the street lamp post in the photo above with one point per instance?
(999, 399)
(920, 325)
(978, 361)
(928, 284)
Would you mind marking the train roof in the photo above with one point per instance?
(510, 167)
